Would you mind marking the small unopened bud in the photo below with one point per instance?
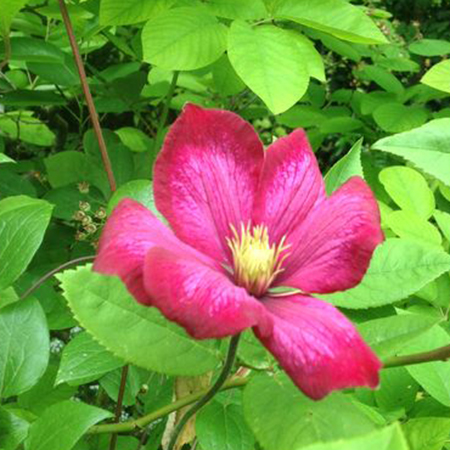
(90, 228)
(86, 221)
(80, 236)
(83, 187)
(79, 216)
(101, 213)
(84, 206)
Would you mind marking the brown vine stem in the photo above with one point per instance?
(119, 405)
(48, 275)
(88, 96)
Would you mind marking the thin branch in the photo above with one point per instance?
(142, 422)
(438, 354)
(118, 413)
(88, 96)
(232, 350)
(48, 275)
(7, 45)
(165, 111)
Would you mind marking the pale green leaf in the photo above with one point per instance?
(135, 139)
(270, 63)
(427, 433)
(398, 268)
(9, 9)
(183, 39)
(237, 9)
(409, 190)
(438, 77)
(443, 221)
(135, 333)
(427, 147)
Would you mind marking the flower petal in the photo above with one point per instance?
(200, 299)
(332, 248)
(130, 232)
(206, 176)
(291, 184)
(318, 346)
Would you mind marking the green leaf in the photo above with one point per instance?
(222, 427)
(136, 333)
(24, 346)
(398, 269)
(26, 97)
(111, 384)
(337, 17)
(13, 429)
(389, 438)
(348, 166)
(134, 139)
(84, 360)
(430, 47)
(226, 80)
(383, 78)
(118, 12)
(139, 190)
(23, 221)
(389, 334)
(427, 147)
(22, 125)
(432, 376)
(438, 77)
(443, 221)
(270, 63)
(33, 50)
(183, 39)
(301, 116)
(396, 118)
(409, 190)
(340, 125)
(282, 418)
(409, 225)
(9, 9)
(238, 9)
(62, 425)
(427, 433)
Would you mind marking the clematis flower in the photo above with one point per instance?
(244, 221)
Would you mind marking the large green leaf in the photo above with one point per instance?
(9, 9)
(237, 9)
(396, 118)
(183, 39)
(270, 63)
(409, 190)
(427, 433)
(13, 429)
(84, 360)
(438, 77)
(348, 166)
(222, 427)
(434, 376)
(119, 12)
(389, 438)
(336, 17)
(136, 333)
(399, 268)
(389, 334)
(62, 425)
(428, 147)
(282, 418)
(24, 346)
(23, 221)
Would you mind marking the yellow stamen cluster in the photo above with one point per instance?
(256, 262)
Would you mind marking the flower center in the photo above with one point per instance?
(256, 262)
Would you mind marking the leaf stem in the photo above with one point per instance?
(438, 354)
(232, 350)
(118, 412)
(142, 422)
(48, 275)
(165, 111)
(88, 96)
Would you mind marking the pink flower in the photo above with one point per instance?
(245, 220)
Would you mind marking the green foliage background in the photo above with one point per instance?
(370, 82)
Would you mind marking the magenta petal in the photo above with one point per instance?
(332, 248)
(206, 176)
(130, 232)
(318, 346)
(200, 299)
(291, 184)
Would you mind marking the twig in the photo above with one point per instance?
(88, 96)
(123, 383)
(438, 354)
(48, 275)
